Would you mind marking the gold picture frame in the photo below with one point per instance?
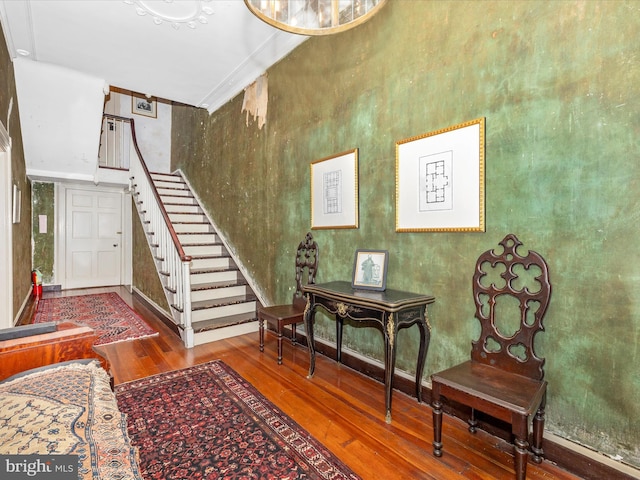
(440, 180)
(334, 191)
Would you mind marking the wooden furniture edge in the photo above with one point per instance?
(68, 342)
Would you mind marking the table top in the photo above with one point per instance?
(388, 300)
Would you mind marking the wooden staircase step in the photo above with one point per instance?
(215, 285)
(221, 297)
(221, 302)
(231, 320)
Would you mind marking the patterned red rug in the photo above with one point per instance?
(207, 422)
(107, 313)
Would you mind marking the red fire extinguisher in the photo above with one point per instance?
(36, 281)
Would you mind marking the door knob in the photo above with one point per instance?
(115, 244)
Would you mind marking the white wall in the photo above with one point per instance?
(153, 134)
(61, 118)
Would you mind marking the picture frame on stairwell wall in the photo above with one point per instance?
(370, 270)
(142, 105)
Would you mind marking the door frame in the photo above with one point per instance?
(60, 260)
(6, 225)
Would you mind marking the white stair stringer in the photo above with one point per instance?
(222, 303)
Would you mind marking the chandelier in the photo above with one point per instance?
(314, 17)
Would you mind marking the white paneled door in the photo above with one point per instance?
(93, 238)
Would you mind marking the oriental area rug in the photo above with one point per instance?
(106, 313)
(207, 422)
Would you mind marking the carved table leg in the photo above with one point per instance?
(280, 328)
(389, 362)
(309, 314)
(437, 420)
(261, 328)
(339, 325)
(425, 337)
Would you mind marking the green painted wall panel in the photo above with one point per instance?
(145, 274)
(559, 85)
(43, 203)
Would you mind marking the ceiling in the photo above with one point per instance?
(196, 52)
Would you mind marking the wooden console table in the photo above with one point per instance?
(390, 311)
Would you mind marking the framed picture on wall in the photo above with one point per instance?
(334, 191)
(440, 180)
(370, 270)
(142, 105)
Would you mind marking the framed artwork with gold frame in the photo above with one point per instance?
(334, 191)
(440, 180)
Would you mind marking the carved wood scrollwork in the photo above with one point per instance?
(525, 279)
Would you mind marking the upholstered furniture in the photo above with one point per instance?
(505, 377)
(290, 314)
(56, 398)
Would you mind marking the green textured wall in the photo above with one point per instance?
(559, 85)
(21, 245)
(145, 275)
(43, 202)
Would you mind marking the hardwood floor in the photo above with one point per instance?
(340, 407)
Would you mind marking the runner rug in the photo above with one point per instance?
(107, 313)
(207, 422)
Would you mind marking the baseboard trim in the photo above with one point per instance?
(155, 308)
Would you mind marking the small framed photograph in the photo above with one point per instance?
(370, 270)
(334, 191)
(142, 105)
(440, 180)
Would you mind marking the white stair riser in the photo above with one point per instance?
(187, 217)
(225, 332)
(190, 228)
(216, 293)
(209, 263)
(224, 311)
(203, 249)
(166, 192)
(225, 276)
(165, 176)
(180, 201)
(166, 184)
(182, 208)
(187, 239)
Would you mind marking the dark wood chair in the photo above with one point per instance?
(291, 314)
(504, 377)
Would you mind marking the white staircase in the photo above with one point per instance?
(209, 297)
(222, 303)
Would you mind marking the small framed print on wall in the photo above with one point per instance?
(440, 180)
(334, 191)
(142, 105)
